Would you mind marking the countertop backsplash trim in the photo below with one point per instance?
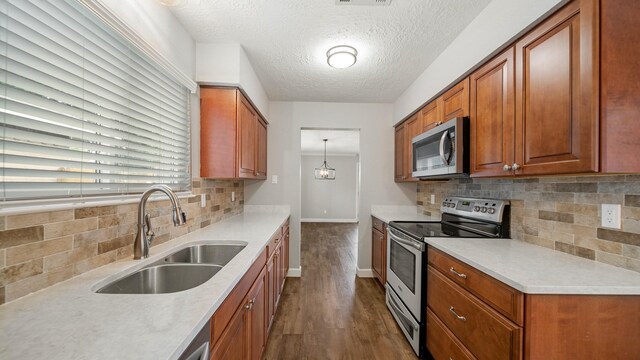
(38, 250)
(560, 213)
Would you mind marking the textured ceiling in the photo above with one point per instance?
(340, 142)
(286, 42)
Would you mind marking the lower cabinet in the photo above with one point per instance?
(471, 315)
(240, 326)
(379, 250)
(234, 342)
(246, 333)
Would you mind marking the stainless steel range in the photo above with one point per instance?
(407, 260)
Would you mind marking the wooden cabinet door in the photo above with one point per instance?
(556, 89)
(399, 172)
(257, 315)
(261, 149)
(431, 115)
(247, 123)
(492, 117)
(218, 133)
(377, 262)
(455, 102)
(271, 291)
(233, 343)
(413, 128)
(284, 260)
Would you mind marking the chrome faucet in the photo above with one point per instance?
(145, 234)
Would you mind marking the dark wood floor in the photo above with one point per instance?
(329, 313)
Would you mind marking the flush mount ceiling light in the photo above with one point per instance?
(324, 172)
(342, 56)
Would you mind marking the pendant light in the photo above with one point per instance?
(324, 172)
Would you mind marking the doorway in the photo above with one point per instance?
(329, 175)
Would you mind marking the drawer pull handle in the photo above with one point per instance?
(453, 311)
(453, 271)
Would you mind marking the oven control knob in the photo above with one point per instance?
(491, 210)
(444, 204)
(476, 208)
(483, 209)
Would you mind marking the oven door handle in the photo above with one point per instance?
(397, 237)
(399, 312)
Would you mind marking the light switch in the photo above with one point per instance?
(203, 200)
(233, 196)
(433, 199)
(274, 179)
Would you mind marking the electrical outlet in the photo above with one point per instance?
(274, 179)
(233, 196)
(433, 199)
(325, 212)
(611, 216)
(203, 200)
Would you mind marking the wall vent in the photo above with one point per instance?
(364, 2)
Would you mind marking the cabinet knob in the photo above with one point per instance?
(506, 167)
(515, 166)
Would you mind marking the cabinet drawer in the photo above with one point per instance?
(273, 243)
(378, 224)
(504, 299)
(441, 342)
(486, 333)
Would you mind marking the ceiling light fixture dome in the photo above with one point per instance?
(342, 56)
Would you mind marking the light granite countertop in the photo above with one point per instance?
(534, 269)
(70, 321)
(388, 213)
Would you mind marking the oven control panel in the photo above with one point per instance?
(488, 209)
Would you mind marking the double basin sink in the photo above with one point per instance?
(179, 271)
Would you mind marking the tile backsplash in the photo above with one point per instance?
(560, 213)
(38, 250)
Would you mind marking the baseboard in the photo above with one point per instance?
(295, 272)
(329, 220)
(364, 273)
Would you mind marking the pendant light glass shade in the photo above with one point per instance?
(324, 172)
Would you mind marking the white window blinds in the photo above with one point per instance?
(82, 111)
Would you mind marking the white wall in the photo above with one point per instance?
(157, 26)
(500, 21)
(329, 199)
(228, 64)
(376, 163)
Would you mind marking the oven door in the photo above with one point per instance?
(404, 268)
(409, 326)
(439, 151)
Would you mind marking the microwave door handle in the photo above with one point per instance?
(442, 140)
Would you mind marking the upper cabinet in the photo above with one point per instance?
(619, 86)
(453, 103)
(556, 93)
(492, 117)
(233, 136)
(534, 107)
(400, 174)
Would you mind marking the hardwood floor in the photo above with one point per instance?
(329, 313)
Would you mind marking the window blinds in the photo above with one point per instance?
(82, 111)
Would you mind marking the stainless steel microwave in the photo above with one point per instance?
(442, 152)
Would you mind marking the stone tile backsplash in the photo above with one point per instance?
(560, 213)
(38, 250)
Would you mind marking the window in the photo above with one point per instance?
(83, 111)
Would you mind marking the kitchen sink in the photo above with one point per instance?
(180, 271)
(162, 279)
(217, 254)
